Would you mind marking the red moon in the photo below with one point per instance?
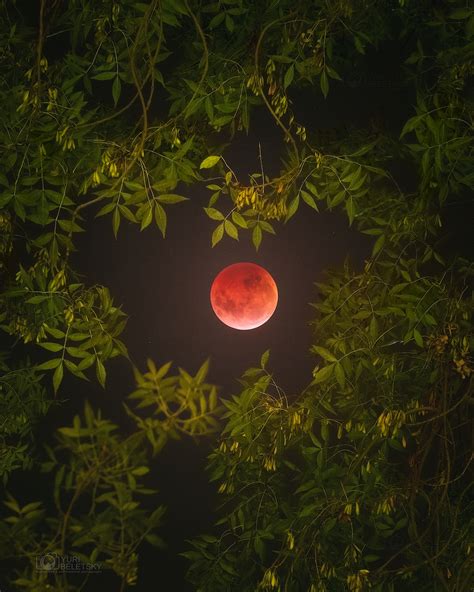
(244, 296)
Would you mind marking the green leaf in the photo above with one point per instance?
(309, 199)
(292, 207)
(100, 372)
(239, 219)
(105, 209)
(229, 23)
(332, 73)
(217, 234)
(104, 76)
(311, 187)
(127, 213)
(374, 328)
(209, 108)
(324, 353)
(350, 210)
(147, 217)
(418, 338)
(214, 214)
(209, 162)
(266, 226)
(58, 377)
(53, 347)
(231, 229)
(323, 374)
(116, 221)
(86, 362)
(73, 368)
(160, 218)
(171, 198)
(37, 299)
(57, 333)
(257, 236)
(289, 75)
(264, 358)
(340, 375)
(139, 471)
(50, 364)
(217, 20)
(379, 243)
(69, 432)
(70, 226)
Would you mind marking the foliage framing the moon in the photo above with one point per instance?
(244, 296)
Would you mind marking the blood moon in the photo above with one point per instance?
(244, 295)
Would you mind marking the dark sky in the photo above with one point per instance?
(163, 285)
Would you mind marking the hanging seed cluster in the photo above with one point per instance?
(253, 197)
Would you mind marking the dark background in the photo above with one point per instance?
(163, 285)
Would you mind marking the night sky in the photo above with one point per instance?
(163, 285)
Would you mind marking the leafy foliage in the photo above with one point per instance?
(363, 480)
(370, 464)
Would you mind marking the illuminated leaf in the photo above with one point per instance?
(323, 374)
(257, 236)
(217, 234)
(104, 76)
(202, 372)
(209, 162)
(379, 243)
(309, 199)
(57, 333)
(53, 347)
(139, 471)
(214, 214)
(231, 229)
(266, 226)
(324, 353)
(239, 219)
(418, 337)
(147, 217)
(37, 300)
(160, 218)
(100, 372)
(171, 198)
(116, 221)
(50, 364)
(127, 213)
(340, 375)
(57, 377)
(292, 207)
(289, 75)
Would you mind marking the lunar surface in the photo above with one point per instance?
(244, 296)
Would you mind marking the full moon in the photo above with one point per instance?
(244, 296)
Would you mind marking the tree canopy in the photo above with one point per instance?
(362, 481)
